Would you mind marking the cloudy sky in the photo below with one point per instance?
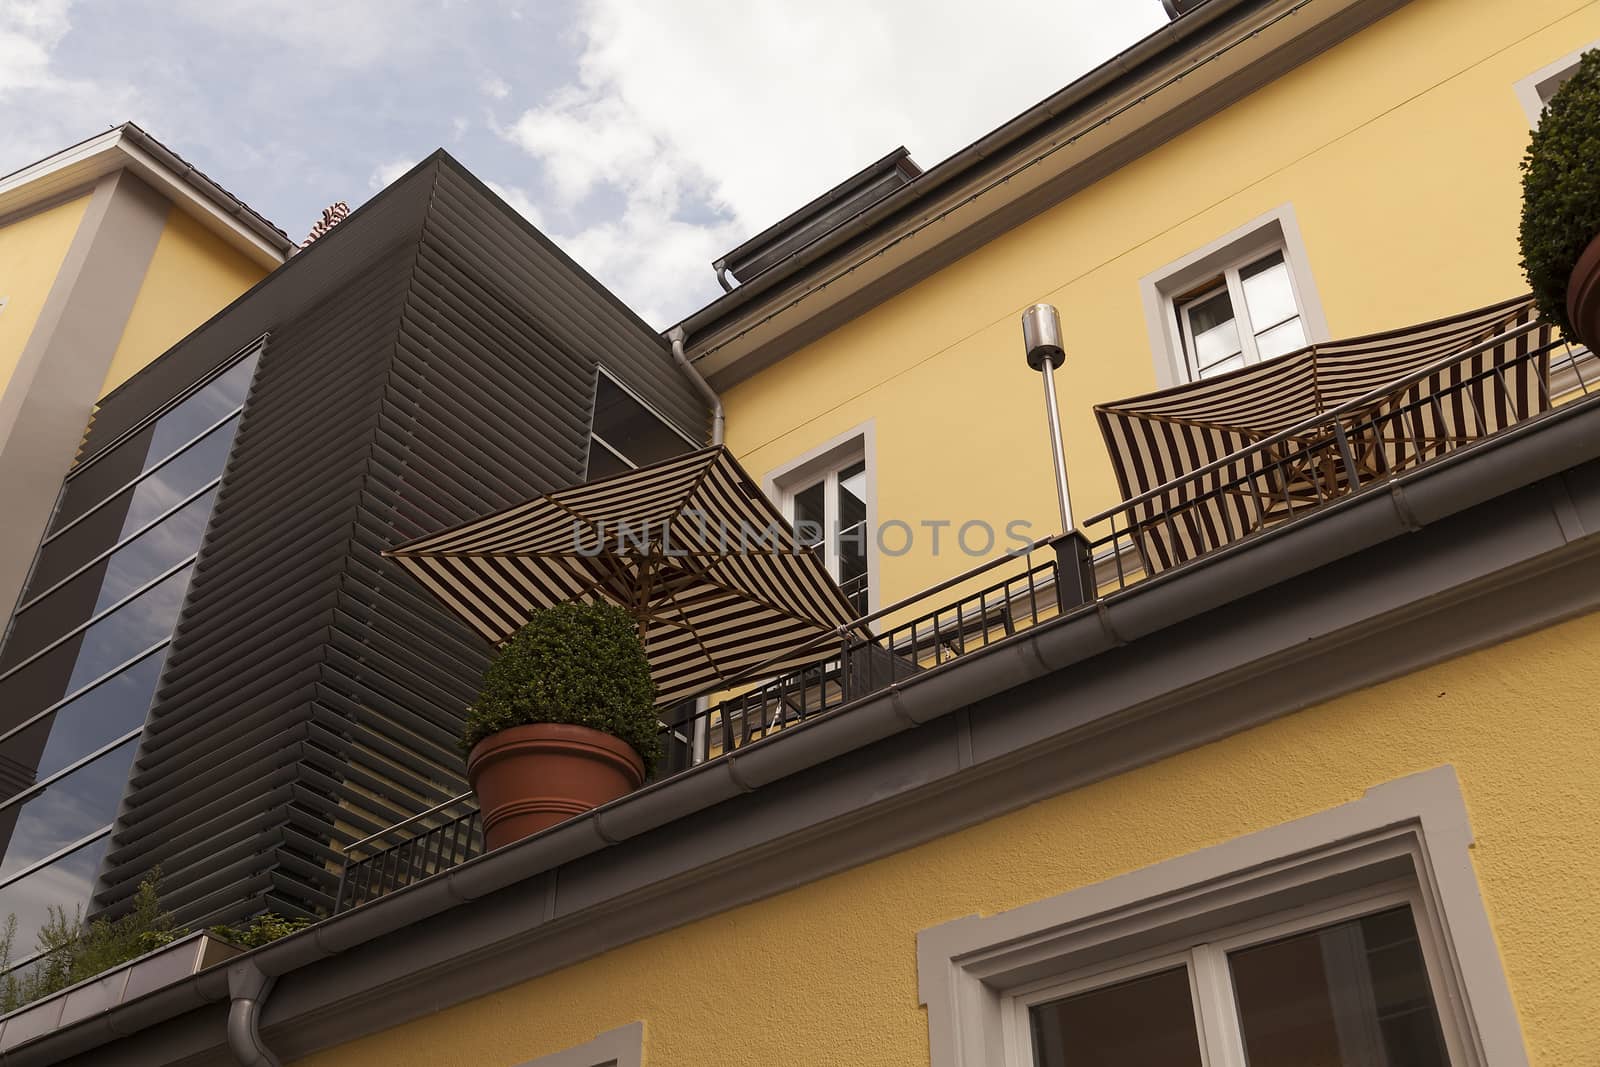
(646, 136)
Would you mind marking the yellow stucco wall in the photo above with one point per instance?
(826, 973)
(1399, 152)
(193, 274)
(31, 251)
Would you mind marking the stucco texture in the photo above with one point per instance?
(826, 974)
(31, 251)
(1398, 152)
(193, 274)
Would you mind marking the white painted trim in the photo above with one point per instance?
(1276, 228)
(622, 1047)
(860, 440)
(1414, 827)
(1527, 89)
(76, 169)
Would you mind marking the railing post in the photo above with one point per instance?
(344, 876)
(1075, 584)
(1346, 455)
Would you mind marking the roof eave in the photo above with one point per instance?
(127, 147)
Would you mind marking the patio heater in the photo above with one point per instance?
(1041, 337)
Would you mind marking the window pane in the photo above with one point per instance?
(96, 718)
(1281, 339)
(1213, 329)
(130, 629)
(1268, 293)
(161, 491)
(1347, 995)
(66, 883)
(1233, 363)
(810, 516)
(603, 462)
(631, 428)
(66, 810)
(1146, 1022)
(173, 539)
(183, 423)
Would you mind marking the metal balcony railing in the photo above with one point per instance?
(1353, 449)
(435, 840)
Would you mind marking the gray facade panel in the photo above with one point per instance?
(440, 370)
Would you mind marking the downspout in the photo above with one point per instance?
(698, 380)
(249, 986)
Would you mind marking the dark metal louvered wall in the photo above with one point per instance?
(313, 692)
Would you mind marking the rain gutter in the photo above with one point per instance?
(1517, 457)
(698, 380)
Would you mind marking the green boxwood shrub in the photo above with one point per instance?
(1561, 189)
(263, 929)
(574, 664)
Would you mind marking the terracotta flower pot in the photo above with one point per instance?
(530, 778)
(1583, 295)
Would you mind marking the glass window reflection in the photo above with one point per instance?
(224, 394)
(92, 720)
(130, 629)
(65, 811)
(66, 883)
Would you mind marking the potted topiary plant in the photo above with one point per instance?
(1560, 232)
(565, 722)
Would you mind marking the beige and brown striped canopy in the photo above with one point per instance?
(1160, 437)
(690, 546)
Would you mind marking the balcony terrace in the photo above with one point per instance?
(1473, 400)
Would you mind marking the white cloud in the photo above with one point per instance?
(519, 200)
(56, 106)
(714, 120)
(495, 88)
(386, 174)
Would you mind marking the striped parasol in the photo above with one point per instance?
(1160, 437)
(689, 546)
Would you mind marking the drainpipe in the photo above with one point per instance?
(698, 380)
(249, 987)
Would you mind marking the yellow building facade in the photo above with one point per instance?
(1325, 796)
(110, 251)
(1396, 154)
(1385, 166)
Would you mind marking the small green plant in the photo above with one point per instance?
(70, 952)
(1561, 189)
(261, 930)
(576, 664)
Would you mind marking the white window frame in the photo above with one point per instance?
(1231, 281)
(826, 461)
(1411, 835)
(622, 1047)
(1211, 981)
(1531, 89)
(1277, 230)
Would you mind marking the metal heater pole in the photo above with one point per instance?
(1063, 497)
(1041, 336)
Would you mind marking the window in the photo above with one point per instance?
(83, 655)
(1355, 936)
(1536, 89)
(1244, 298)
(827, 498)
(1330, 988)
(626, 433)
(1246, 314)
